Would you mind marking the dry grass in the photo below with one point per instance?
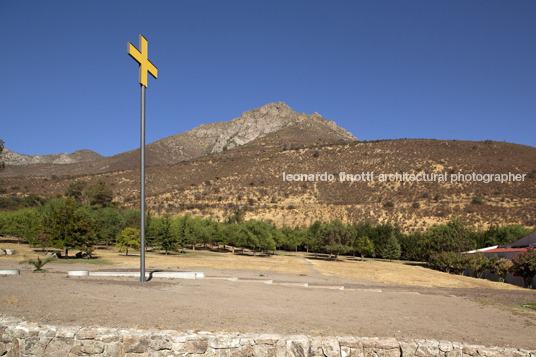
(23, 252)
(286, 263)
(403, 274)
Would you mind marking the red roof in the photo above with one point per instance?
(504, 250)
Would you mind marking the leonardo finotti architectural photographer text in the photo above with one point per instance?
(370, 176)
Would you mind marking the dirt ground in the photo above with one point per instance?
(380, 299)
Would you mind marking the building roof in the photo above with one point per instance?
(524, 242)
(505, 250)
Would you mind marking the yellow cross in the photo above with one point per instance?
(141, 58)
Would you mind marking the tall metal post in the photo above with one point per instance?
(142, 189)
(145, 66)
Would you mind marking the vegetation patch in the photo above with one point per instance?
(530, 305)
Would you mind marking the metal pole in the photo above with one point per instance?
(142, 189)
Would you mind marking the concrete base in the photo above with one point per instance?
(10, 272)
(78, 273)
(160, 274)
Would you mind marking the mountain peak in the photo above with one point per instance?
(282, 106)
(280, 109)
(268, 119)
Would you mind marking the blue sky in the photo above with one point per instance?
(381, 69)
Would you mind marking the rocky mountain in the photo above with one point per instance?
(13, 158)
(205, 139)
(253, 124)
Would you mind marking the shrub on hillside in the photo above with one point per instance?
(477, 200)
(524, 265)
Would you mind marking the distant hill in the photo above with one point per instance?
(12, 158)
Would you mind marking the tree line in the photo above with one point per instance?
(83, 219)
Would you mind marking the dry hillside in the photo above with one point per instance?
(250, 177)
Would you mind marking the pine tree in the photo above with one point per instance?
(167, 239)
(392, 248)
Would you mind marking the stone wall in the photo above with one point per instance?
(18, 338)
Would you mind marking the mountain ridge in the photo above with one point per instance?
(13, 158)
(202, 140)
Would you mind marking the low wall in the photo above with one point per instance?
(18, 338)
(509, 279)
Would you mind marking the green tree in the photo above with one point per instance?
(279, 237)
(499, 235)
(412, 245)
(264, 234)
(180, 230)
(109, 223)
(392, 248)
(218, 234)
(129, 238)
(100, 194)
(43, 240)
(312, 237)
(363, 245)
(132, 218)
(452, 237)
(335, 238)
(229, 231)
(379, 234)
(196, 231)
(255, 235)
(152, 227)
(70, 227)
(24, 224)
(75, 190)
(245, 238)
(165, 236)
(293, 237)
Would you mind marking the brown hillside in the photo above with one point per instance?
(250, 177)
